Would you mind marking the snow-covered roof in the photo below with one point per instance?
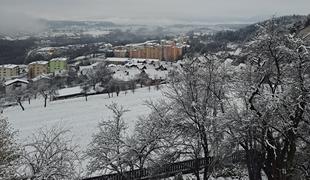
(7, 83)
(9, 66)
(135, 60)
(126, 75)
(155, 74)
(117, 59)
(59, 59)
(120, 50)
(39, 62)
(22, 66)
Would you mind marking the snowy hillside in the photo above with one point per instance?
(79, 116)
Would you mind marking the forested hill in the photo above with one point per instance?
(14, 52)
(290, 23)
(219, 41)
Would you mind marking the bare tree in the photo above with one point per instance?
(196, 95)
(2, 87)
(274, 90)
(18, 96)
(108, 149)
(101, 75)
(132, 86)
(85, 90)
(110, 87)
(157, 84)
(86, 86)
(2, 103)
(72, 78)
(153, 136)
(118, 89)
(142, 78)
(9, 152)
(44, 93)
(149, 83)
(28, 95)
(51, 155)
(47, 90)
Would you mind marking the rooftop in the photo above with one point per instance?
(7, 83)
(9, 66)
(59, 59)
(39, 62)
(120, 50)
(113, 59)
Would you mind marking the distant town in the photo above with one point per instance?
(19, 76)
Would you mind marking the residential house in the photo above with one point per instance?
(58, 65)
(15, 85)
(121, 53)
(8, 71)
(167, 51)
(37, 68)
(42, 80)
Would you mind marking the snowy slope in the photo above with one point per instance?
(80, 116)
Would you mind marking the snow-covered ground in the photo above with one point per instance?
(79, 116)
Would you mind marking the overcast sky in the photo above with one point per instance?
(170, 9)
(20, 14)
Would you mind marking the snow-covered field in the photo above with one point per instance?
(79, 116)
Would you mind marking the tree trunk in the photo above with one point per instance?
(281, 167)
(253, 165)
(21, 105)
(206, 168)
(280, 163)
(206, 154)
(196, 168)
(86, 96)
(45, 101)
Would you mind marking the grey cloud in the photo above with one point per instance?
(155, 10)
(15, 23)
